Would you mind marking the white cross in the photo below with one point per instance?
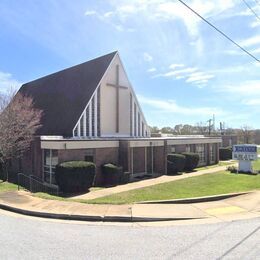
(117, 86)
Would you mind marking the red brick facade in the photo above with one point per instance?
(150, 159)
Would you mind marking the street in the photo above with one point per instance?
(33, 238)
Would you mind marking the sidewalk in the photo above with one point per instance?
(144, 183)
(243, 206)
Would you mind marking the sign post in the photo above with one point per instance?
(245, 154)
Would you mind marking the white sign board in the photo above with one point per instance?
(245, 153)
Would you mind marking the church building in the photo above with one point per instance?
(91, 112)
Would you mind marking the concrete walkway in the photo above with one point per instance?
(145, 183)
(239, 207)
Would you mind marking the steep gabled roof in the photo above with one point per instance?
(63, 95)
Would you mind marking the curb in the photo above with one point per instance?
(194, 200)
(86, 217)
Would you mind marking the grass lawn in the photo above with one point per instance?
(256, 165)
(204, 185)
(6, 186)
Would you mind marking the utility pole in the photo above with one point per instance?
(210, 125)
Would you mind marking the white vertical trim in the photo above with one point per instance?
(132, 160)
(84, 124)
(133, 118)
(95, 114)
(90, 118)
(145, 159)
(141, 126)
(50, 166)
(136, 120)
(152, 157)
(79, 129)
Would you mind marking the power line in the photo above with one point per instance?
(222, 33)
(251, 9)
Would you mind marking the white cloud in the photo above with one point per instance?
(255, 24)
(199, 77)
(147, 57)
(171, 106)
(8, 83)
(252, 102)
(247, 91)
(174, 66)
(179, 72)
(151, 70)
(251, 41)
(191, 74)
(90, 12)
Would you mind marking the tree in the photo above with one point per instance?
(167, 130)
(19, 121)
(246, 133)
(154, 129)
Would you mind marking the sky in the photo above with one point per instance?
(183, 71)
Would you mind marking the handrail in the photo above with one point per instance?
(34, 184)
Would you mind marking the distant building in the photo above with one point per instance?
(91, 112)
(229, 140)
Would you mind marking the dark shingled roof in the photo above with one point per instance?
(63, 95)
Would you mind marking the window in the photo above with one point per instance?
(131, 117)
(50, 161)
(200, 150)
(89, 157)
(82, 126)
(212, 153)
(173, 149)
(98, 111)
(138, 124)
(135, 133)
(87, 121)
(188, 148)
(93, 116)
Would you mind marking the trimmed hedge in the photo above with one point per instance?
(192, 160)
(225, 153)
(175, 163)
(112, 173)
(75, 176)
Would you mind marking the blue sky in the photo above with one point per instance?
(181, 69)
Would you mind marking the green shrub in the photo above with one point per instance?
(75, 176)
(225, 153)
(191, 161)
(112, 174)
(232, 169)
(175, 163)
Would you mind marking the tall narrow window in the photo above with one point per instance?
(82, 126)
(135, 119)
(138, 124)
(87, 121)
(93, 116)
(131, 118)
(98, 111)
(50, 161)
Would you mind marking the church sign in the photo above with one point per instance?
(244, 153)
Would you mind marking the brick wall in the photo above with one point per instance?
(100, 156)
(139, 159)
(159, 160)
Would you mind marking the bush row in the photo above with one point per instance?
(181, 162)
(79, 176)
(225, 153)
(75, 176)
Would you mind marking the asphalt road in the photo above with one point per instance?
(29, 238)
